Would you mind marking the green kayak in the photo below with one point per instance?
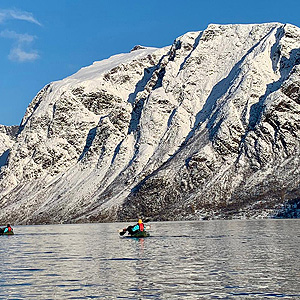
(7, 233)
(140, 234)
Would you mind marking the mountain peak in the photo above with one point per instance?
(137, 47)
(204, 128)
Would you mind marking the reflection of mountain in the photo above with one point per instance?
(208, 127)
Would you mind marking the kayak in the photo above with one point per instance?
(140, 234)
(7, 233)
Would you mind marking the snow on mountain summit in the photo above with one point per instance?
(204, 128)
(100, 67)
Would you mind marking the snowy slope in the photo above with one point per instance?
(205, 128)
(7, 139)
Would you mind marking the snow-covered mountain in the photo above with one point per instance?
(205, 128)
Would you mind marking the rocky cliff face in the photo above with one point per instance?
(7, 139)
(205, 128)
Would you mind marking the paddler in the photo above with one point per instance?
(8, 228)
(132, 229)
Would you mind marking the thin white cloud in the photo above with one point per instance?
(21, 49)
(18, 53)
(6, 14)
(19, 37)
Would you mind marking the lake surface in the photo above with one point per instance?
(256, 259)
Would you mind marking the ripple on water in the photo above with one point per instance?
(181, 260)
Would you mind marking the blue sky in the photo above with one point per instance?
(43, 41)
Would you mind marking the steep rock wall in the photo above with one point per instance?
(205, 128)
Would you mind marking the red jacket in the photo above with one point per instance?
(141, 226)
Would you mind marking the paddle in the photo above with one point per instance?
(122, 231)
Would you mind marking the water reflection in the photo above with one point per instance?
(181, 260)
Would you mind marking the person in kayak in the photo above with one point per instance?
(7, 229)
(132, 229)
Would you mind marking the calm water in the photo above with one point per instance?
(181, 260)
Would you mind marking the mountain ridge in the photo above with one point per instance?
(204, 128)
